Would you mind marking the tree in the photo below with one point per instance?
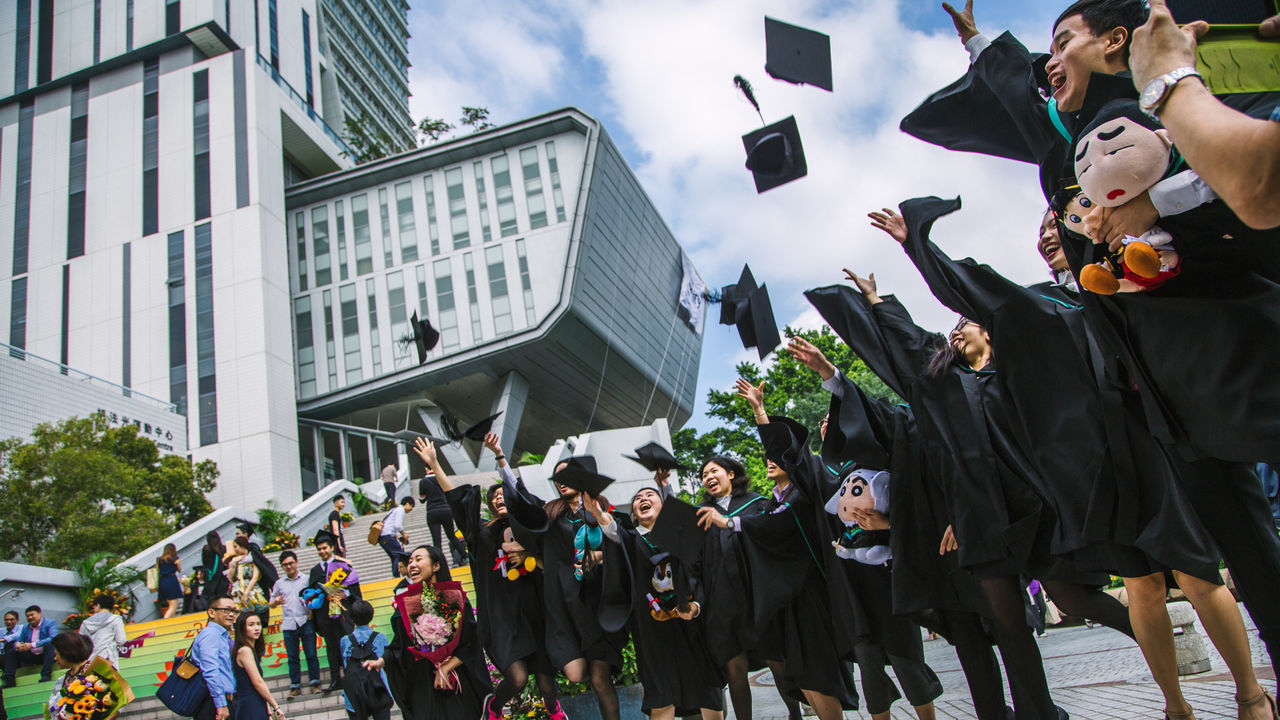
(790, 389)
(368, 142)
(81, 486)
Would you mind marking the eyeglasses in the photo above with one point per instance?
(223, 609)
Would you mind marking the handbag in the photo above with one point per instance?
(375, 532)
(153, 578)
(184, 690)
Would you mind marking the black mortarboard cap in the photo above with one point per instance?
(676, 531)
(1223, 12)
(731, 296)
(479, 430)
(582, 462)
(325, 535)
(759, 318)
(654, 457)
(582, 478)
(246, 528)
(425, 337)
(797, 55)
(774, 154)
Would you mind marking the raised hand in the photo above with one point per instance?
(491, 441)
(425, 450)
(890, 222)
(866, 285)
(754, 395)
(811, 357)
(963, 20)
(662, 477)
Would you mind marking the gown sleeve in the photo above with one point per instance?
(529, 522)
(883, 335)
(464, 503)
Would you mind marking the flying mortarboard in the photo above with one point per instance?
(582, 476)
(775, 155)
(797, 55)
(676, 531)
(425, 337)
(732, 295)
(246, 528)
(654, 457)
(476, 432)
(748, 307)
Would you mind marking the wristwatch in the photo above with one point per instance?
(1157, 91)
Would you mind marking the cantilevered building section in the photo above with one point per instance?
(367, 45)
(552, 279)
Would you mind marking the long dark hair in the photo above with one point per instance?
(170, 553)
(259, 646)
(738, 483)
(946, 354)
(437, 557)
(213, 541)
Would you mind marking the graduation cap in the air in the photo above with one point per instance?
(654, 457)
(475, 432)
(676, 531)
(425, 337)
(797, 55)
(775, 155)
(246, 528)
(580, 474)
(748, 307)
(733, 295)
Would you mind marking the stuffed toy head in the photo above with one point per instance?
(862, 489)
(1121, 154)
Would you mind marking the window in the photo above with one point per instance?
(385, 216)
(533, 196)
(273, 28)
(177, 322)
(504, 195)
(375, 342)
(457, 208)
(128, 25)
(445, 303)
(432, 231)
(360, 231)
(200, 134)
(97, 31)
(151, 147)
(473, 298)
(300, 236)
(306, 347)
(498, 296)
(78, 167)
(18, 316)
(306, 54)
(341, 221)
(44, 47)
(478, 169)
(525, 283)
(64, 355)
(399, 320)
(556, 195)
(404, 220)
(423, 306)
(22, 203)
(350, 333)
(22, 49)
(329, 344)
(126, 314)
(205, 364)
(320, 244)
(172, 17)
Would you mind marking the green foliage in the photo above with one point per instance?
(101, 575)
(433, 129)
(272, 521)
(81, 486)
(362, 504)
(791, 389)
(528, 458)
(367, 141)
(476, 118)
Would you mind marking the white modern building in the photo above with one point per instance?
(145, 146)
(554, 283)
(367, 44)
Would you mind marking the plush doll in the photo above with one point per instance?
(862, 489)
(1119, 156)
(514, 562)
(663, 601)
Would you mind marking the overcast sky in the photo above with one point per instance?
(659, 73)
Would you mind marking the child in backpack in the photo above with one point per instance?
(364, 681)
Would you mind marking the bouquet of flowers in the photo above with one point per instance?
(432, 612)
(94, 691)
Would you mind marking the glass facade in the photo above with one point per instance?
(360, 234)
(526, 284)
(300, 235)
(177, 321)
(498, 295)
(557, 196)
(375, 341)
(405, 224)
(483, 196)
(384, 214)
(22, 192)
(457, 208)
(350, 333)
(533, 196)
(306, 55)
(473, 298)
(341, 221)
(151, 147)
(399, 314)
(200, 138)
(206, 368)
(305, 347)
(77, 170)
(504, 195)
(432, 229)
(320, 244)
(330, 345)
(447, 319)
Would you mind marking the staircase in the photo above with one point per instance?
(157, 641)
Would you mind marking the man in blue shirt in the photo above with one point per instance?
(211, 652)
(295, 621)
(31, 647)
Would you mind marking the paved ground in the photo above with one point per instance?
(1094, 673)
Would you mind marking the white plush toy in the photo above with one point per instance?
(862, 489)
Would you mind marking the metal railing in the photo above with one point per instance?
(302, 104)
(27, 356)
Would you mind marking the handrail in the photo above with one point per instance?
(23, 354)
(303, 105)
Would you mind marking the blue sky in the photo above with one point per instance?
(658, 75)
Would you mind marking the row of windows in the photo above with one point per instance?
(402, 245)
(451, 312)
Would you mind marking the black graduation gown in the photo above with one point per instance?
(672, 656)
(1109, 483)
(969, 442)
(997, 108)
(511, 619)
(726, 582)
(790, 599)
(412, 681)
(1197, 350)
(860, 596)
(572, 605)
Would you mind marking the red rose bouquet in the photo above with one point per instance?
(432, 615)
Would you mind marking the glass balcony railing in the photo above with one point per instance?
(302, 104)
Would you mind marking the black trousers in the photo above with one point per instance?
(13, 659)
(919, 683)
(332, 630)
(978, 660)
(441, 523)
(1229, 500)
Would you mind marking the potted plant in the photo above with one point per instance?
(99, 575)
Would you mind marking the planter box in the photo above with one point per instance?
(585, 707)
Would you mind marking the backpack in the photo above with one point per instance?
(364, 688)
